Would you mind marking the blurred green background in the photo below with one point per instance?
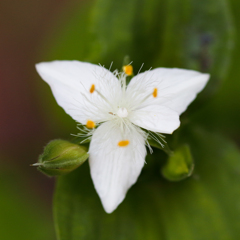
(201, 35)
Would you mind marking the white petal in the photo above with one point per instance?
(156, 118)
(71, 81)
(177, 88)
(115, 169)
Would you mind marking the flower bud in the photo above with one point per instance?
(179, 164)
(61, 157)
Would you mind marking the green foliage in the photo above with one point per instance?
(205, 206)
(221, 114)
(189, 34)
(22, 215)
(61, 157)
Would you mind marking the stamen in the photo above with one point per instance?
(128, 69)
(92, 89)
(155, 92)
(123, 143)
(90, 124)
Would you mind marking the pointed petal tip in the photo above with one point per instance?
(40, 66)
(109, 209)
(112, 205)
(37, 66)
(205, 76)
(202, 80)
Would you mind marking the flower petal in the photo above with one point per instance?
(114, 168)
(71, 82)
(176, 88)
(156, 118)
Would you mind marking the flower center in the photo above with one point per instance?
(122, 112)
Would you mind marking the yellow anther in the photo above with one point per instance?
(128, 69)
(155, 92)
(90, 124)
(123, 143)
(92, 89)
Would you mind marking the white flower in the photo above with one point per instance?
(94, 96)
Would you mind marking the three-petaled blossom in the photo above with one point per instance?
(95, 97)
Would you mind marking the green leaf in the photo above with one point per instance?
(24, 214)
(204, 206)
(168, 33)
(222, 114)
(189, 34)
(179, 164)
(79, 214)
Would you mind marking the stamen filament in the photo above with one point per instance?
(124, 84)
(92, 89)
(154, 94)
(102, 97)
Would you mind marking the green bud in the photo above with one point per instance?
(61, 157)
(179, 164)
